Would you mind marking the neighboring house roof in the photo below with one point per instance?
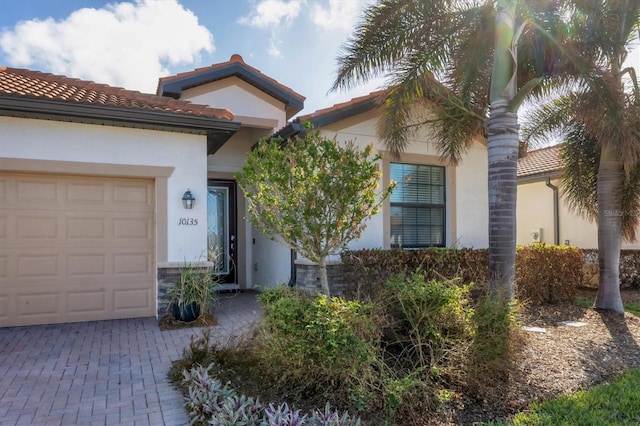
(235, 67)
(540, 163)
(337, 112)
(34, 94)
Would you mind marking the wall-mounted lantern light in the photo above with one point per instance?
(188, 200)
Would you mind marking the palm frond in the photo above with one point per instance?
(389, 30)
(547, 118)
(580, 158)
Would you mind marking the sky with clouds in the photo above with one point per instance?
(131, 43)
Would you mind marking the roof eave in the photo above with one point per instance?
(218, 131)
(174, 87)
(539, 177)
(330, 117)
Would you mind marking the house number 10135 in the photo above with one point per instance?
(188, 221)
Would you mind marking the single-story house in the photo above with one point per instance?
(542, 212)
(106, 193)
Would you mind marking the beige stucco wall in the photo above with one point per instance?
(466, 184)
(535, 211)
(249, 105)
(103, 150)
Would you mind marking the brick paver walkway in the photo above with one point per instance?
(103, 372)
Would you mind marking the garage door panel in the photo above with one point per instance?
(85, 227)
(132, 228)
(86, 193)
(83, 301)
(131, 263)
(3, 229)
(40, 266)
(39, 303)
(127, 195)
(128, 300)
(45, 226)
(4, 308)
(37, 190)
(83, 265)
(75, 249)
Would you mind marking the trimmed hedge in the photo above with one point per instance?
(544, 273)
(548, 273)
(366, 271)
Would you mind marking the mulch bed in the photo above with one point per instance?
(564, 359)
(168, 322)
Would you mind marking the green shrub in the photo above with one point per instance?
(429, 319)
(496, 343)
(318, 345)
(547, 273)
(425, 340)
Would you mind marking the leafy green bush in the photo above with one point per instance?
(429, 319)
(317, 344)
(496, 344)
(425, 340)
(547, 273)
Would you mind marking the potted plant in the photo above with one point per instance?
(193, 293)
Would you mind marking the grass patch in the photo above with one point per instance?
(586, 302)
(615, 403)
(633, 307)
(583, 302)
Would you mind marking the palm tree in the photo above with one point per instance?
(594, 106)
(451, 54)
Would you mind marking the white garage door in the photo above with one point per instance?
(75, 248)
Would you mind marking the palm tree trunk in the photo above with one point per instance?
(502, 147)
(610, 180)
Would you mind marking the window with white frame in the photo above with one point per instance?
(418, 206)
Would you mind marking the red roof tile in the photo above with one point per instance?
(540, 162)
(39, 85)
(373, 96)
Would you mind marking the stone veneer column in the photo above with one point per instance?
(308, 279)
(168, 274)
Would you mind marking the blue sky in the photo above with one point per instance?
(131, 43)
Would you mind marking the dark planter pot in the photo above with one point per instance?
(186, 313)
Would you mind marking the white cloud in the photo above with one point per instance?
(122, 44)
(270, 14)
(340, 15)
(273, 15)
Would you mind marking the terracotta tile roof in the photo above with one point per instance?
(372, 98)
(544, 161)
(235, 59)
(38, 85)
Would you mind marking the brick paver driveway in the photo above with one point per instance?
(103, 372)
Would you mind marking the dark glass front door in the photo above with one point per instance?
(221, 229)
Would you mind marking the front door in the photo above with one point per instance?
(221, 230)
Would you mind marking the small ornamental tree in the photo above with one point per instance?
(313, 193)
